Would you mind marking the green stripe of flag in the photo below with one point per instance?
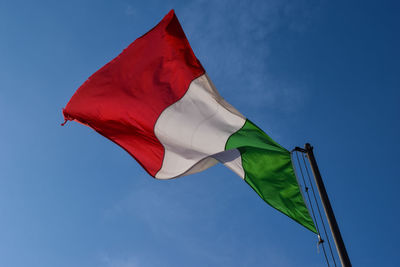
(269, 171)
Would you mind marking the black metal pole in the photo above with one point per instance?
(337, 237)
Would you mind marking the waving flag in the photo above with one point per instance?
(156, 101)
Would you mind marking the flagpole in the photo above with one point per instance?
(337, 237)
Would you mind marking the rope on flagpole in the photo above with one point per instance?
(320, 240)
(318, 209)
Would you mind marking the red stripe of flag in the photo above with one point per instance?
(123, 99)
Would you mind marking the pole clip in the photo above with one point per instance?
(320, 240)
(302, 150)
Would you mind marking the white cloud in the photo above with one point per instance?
(234, 44)
(129, 10)
(118, 262)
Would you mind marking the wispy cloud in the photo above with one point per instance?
(129, 10)
(235, 45)
(119, 262)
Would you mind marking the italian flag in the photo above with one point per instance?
(156, 101)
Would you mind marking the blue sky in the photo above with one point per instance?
(324, 72)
